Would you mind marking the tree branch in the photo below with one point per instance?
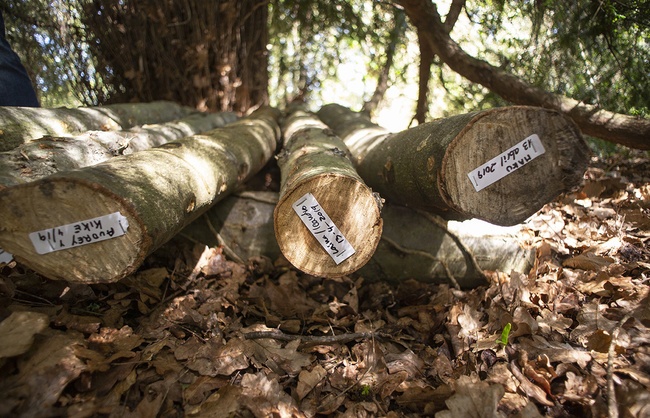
(614, 127)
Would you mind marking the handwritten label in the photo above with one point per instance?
(5, 257)
(322, 228)
(79, 233)
(507, 162)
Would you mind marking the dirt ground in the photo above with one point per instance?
(194, 334)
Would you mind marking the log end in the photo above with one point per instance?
(509, 162)
(353, 210)
(89, 250)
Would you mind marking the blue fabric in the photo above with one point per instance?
(15, 86)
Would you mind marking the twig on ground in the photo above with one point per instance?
(612, 405)
(310, 340)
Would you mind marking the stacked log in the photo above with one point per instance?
(500, 165)
(23, 124)
(98, 223)
(327, 221)
(412, 247)
(41, 157)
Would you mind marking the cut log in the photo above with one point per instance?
(69, 225)
(48, 155)
(412, 247)
(327, 221)
(22, 124)
(242, 224)
(499, 165)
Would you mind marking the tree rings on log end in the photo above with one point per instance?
(49, 205)
(352, 208)
(509, 162)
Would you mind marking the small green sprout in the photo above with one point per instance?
(365, 390)
(503, 340)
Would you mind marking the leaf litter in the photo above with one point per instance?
(193, 333)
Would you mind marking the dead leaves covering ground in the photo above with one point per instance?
(193, 334)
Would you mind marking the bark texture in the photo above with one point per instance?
(427, 167)
(615, 127)
(48, 155)
(209, 55)
(315, 161)
(412, 247)
(19, 125)
(158, 191)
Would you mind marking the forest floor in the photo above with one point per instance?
(194, 334)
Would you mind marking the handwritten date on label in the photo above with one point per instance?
(507, 162)
(323, 229)
(79, 233)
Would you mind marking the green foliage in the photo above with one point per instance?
(310, 40)
(51, 42)
(595, 51)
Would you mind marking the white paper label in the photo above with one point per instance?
(5, 257)
(79, 233)
(505, 163)
(322, 228)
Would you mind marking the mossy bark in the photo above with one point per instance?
(428, 167)
(48, 155)
(19, 125)
(317, 162)
(159, 191)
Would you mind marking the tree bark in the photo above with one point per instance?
(412, 247)
(156, 192)
(615, 127)
(204, 54)
(426, 60)
(434, 166)
(19, 125)
(394, 37)
(48, 155)
(314, 162)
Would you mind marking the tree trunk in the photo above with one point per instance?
(424, 75)
(48, 155)
(426, 60)
(412, 247)
(210, 55)
(499, 165)
(148, 196)
(19, 125)
(327, 221)
(623, 129)
(394, 38)
(242, 224)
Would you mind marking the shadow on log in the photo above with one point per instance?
(97, 224)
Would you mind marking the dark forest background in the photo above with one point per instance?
(412, 59)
